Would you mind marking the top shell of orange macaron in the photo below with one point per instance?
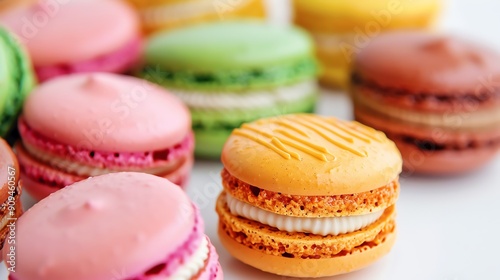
(311, 155)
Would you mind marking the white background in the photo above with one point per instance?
(449, 227)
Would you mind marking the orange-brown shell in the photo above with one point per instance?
(312, 206)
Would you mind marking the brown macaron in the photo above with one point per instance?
(10, 192)
(437, 97)
(308, 196)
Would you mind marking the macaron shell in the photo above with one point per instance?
(59, 32)
(119, 61)
(107, 112)
(290, 253)
(426, 63)
(343, 16)
(311, 155)
(99, 213)
(229, 45)
(17, 80)
(309, 268)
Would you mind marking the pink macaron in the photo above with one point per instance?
(84, 125)
(65, 37)
(122, 226)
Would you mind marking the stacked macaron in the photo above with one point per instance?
(10, 195)
(116, 226)
(233, 72)
(308, 196)
(436, 96)
(341, 28)
(86, 125)
(16, 80)
(65, 37)
(157, 15)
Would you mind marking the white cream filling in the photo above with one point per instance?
(320, 226)
(83, 170)
(195, 263)
(251, 99)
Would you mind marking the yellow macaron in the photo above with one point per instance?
(343, 27)
(159, 15)
(308, 196)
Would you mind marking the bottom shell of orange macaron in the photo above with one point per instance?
(301, 254)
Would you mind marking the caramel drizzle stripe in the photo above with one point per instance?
(300, 140)
(276, 141)
(280, 145)
(263, 143)
(302, 146)
(291, 127)
(367, 131)
(324, 125)
(333, 141)
(340, 125)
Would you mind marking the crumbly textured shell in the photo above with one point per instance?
(311, 155)
(312, 206)
(309, 268)
(272, 241)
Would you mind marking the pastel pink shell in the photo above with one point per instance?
(108, 113)
(115, 226)
(62, 32)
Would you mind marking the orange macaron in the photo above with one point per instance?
(308, 196)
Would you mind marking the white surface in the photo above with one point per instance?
(448, 227)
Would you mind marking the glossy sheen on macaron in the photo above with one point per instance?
(341, 28)
(436, 96)
(233, 72)
(65, 37)
(16, 80)
(116, 226)
(160, 15)
(308, 196)
(84, 125)
(10, 196)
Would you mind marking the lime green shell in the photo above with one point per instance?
(16, 80)
(233, 57)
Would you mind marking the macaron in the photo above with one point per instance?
(16, 79)
(308, 196)
(83, 125)
(342, 28)
(65, 37)
(6, 5)
(10, 196)
(116, 226)
(435, 95)
(233, 72)
(159, 15)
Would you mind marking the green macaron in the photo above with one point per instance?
(233, 72)
(16, 80)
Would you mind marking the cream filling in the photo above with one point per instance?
(320, 226)
(468, 119)
(83, 170)
(247, 100)
(185, 10)
(195, 263)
